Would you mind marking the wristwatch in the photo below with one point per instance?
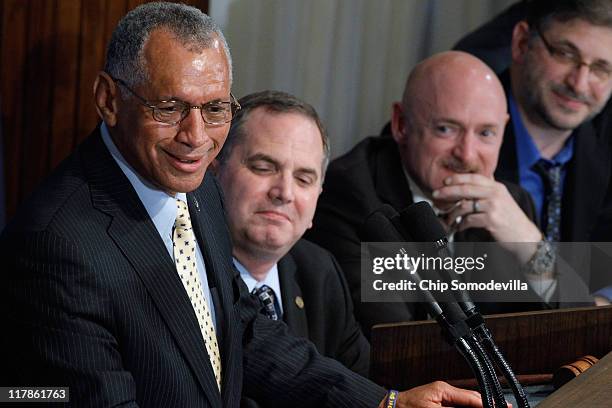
(543, 260)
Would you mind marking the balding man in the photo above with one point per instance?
(446, 136)
(117, 275)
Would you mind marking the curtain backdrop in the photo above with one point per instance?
(348, 58)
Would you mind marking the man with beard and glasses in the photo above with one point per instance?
(559, 80)
(446, 136)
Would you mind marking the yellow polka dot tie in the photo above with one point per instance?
(185, 260)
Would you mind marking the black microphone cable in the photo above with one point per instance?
(426, 226)
(450, 318)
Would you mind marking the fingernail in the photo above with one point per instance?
(435, 193)
(448, 180)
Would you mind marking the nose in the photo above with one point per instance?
(465, 148)
(578, 78)
(193, 132)
(282, 189)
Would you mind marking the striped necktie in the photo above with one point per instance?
(269, 301)
(551, 211)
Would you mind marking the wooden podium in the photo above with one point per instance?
(405, 355)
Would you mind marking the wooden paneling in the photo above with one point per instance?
(50, 53)
(405, 355)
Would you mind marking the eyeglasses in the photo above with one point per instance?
(601, 71)
(173, 111)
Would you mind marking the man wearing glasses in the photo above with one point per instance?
(560, 78)
(117, 278)
(446, 136)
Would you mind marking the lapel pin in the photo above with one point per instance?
(299, 302)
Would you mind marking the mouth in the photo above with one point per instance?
(273, 215)
(570, 100)
(187, 164)
(460, 168)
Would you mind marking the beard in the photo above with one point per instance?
(540, 111)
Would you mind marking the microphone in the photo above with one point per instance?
(382, 226)
(424, 226)
(386, 225)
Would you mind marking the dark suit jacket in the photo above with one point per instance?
(491, 41)
(587, 198)
(326, 315)
(93, 302)
(360, 182)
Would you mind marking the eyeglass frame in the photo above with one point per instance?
(234, 106)
(574, 58)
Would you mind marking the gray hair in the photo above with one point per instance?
(194, 29)
(277, 102)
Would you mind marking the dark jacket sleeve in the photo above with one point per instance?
(284, 370)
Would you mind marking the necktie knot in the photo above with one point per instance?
(183, 221)
(550, 173)
(269, 301)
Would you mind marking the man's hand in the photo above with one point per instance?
(436, 394)
(482, 202)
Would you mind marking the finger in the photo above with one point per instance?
(456, 396)
(468, 178)
(474, 220)
(467, 207)
(462, 191)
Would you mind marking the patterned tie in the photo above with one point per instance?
(551, 211)
(184, 256)
(266, 296)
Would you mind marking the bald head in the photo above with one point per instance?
(451, 119)
(451, 71)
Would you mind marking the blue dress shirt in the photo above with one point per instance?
(528, 154)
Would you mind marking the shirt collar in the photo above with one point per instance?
(159, 205)
(271, 278)
(417, 194)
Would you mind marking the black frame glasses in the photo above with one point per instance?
(174, 111)
(601, 71)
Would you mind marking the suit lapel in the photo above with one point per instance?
(390, 181)
(294, 316)
(507, 164)
(585, 185)
(135, 234)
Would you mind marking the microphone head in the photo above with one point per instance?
(371, 224)
(421, 222)
(378, 226)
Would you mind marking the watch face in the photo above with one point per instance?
(543, 260)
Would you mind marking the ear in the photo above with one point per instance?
(398, 123)
(106, 97)
(520, 41)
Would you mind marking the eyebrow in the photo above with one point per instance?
(578, 51)
(275, 163)
(460, 124)
(176, 99)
